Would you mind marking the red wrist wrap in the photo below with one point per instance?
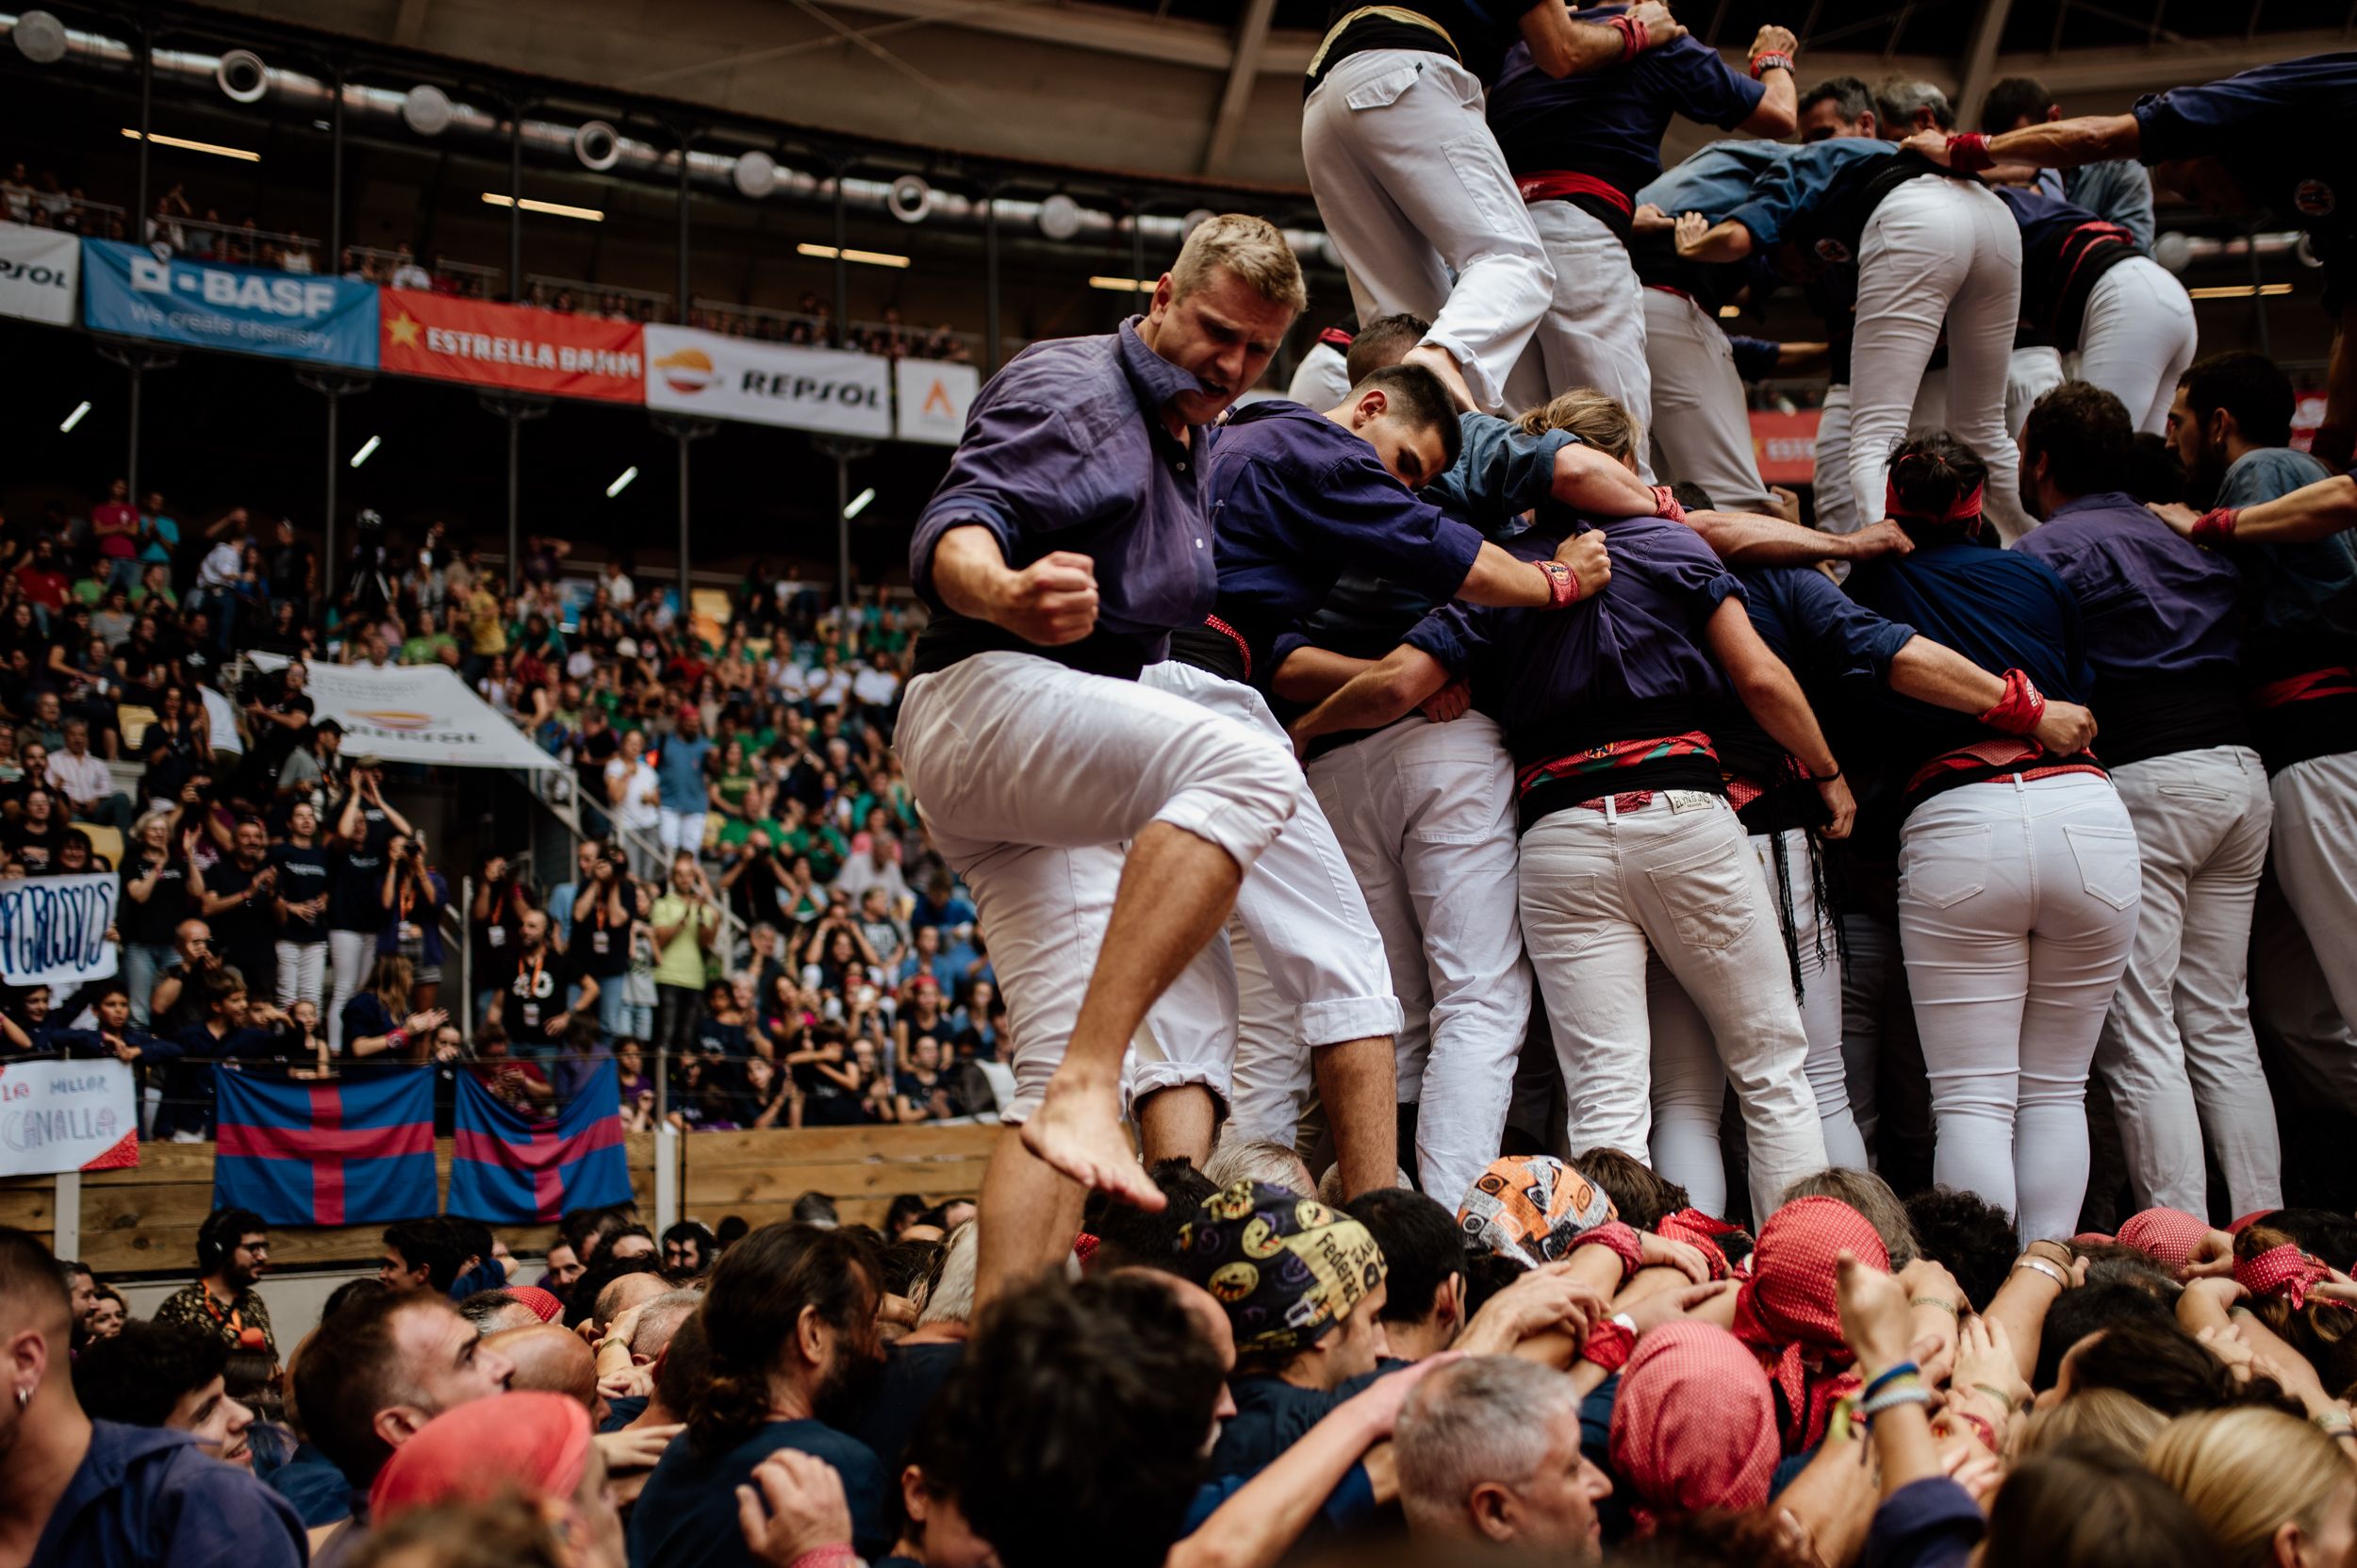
(2216, 526)
(1968, 154)
(2020, 710)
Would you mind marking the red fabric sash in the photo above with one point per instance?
(1550, 185)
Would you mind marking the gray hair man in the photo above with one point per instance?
(1488, 1451)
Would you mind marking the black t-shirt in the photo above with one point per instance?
(715, 1038)
(36, 851)
(276, 743)
(535, 992)
(245, 931)
(912, 1376)
(599, 950)
(589, 760)
(150, 922)
(356, 902)
(304, 872)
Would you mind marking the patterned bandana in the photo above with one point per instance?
(1287, 1268)
(1694, 1425)
(1708, 1234)
(2284, 1271)
(1531, 1208)
(1787, 1312)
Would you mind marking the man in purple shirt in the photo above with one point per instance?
(1297, 496)
(2162, 628)
(1065, 545)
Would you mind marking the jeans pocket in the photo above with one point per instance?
(1444, 803)
(1559, 911)
(1711, 896)
(2109, 868)
(2199, 794)
(1384, 90)
(1944, 868)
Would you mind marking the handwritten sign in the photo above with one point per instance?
(66, 1115)
(52, 929)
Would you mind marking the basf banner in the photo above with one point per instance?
(38, 272)
(934, 399)
(414, 713)
(325, 321)
(690, 371)
(513, 346)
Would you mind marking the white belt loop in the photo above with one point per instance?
(1611, 808)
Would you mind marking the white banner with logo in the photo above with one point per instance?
(414, 713)
(66, 1115)
(692, 372)
(39, 273)
(52, 929)
(934, 399)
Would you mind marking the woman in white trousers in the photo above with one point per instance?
(2018, 878)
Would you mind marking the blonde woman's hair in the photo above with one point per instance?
(1252, 248)
(2246, 1472)
(2102, 1415)
(1595, 419)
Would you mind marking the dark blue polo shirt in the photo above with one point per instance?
(2151, 602)
(1822, 634)
(1066, 450)
(1608, 123)
(1295, 500)
(2288, 133)
(145, 1497)
(686, 1513)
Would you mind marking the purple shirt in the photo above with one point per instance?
(1296, 500)
(2151, 604)
(1067, 449)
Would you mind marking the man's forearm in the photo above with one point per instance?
(1932, 672)
(2313, 512)
(1588, 480)
(1751, 539)
(1385, 691)
(1312, 674)
(969, 567)
(2070, 144)
(1725, 241)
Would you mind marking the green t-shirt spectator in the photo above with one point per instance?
(681, 963)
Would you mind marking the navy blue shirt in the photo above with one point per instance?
(1477, 32)
(1067, 449)
(2151, 604)
(1714, 182)
(145, 1497)
(1608, 123)
(310, 1480)
(2065, 249)
(1294, 499)
(1931, 1522)
(1640, 641)
(1822, 634)
(686, 1513)
(2286, 133)
(2001, 609)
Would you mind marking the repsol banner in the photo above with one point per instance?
(691, 371)
(52, 929)
(39, 270)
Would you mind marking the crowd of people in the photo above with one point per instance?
(1547, 1003)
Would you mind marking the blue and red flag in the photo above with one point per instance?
(509, 1169)
(352, 1153)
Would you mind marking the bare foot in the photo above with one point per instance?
(1075, 1131)
(1442, 363)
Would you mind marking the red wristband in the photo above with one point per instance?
(1634, 37)
(395, 1039)
(2020, 711)
(1666, 506)
(837, 1556)
(1770, 60)
(1563, 583)
(2216, 526)
(1618, 1239)
(1968, 154)
(1608, 1345)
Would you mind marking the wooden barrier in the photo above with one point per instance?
(759, 1175)
(144, 1219)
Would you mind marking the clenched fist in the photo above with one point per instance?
(1051, 602)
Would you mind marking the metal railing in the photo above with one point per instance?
(467, 278)
(236, 244)
(582, 297)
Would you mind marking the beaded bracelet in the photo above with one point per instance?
(1890, 1399)
(1768, 60)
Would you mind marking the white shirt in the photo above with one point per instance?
(620, 590)
(410, 276)
(861, 873)
(638, 811)
(83, 778)
(876, 687)
(220, 569)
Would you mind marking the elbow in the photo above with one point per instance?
(1773, 121)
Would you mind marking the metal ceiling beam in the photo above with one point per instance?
(2176, 61)
(1201, 44)
(1980, 61)
(1242, 75)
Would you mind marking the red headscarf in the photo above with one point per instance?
(2165, 1235)
(2284, 1271)
(537, 1444)
(1702, 1232)
(545, 1306)
(1788, 1310)
(1694, 1424)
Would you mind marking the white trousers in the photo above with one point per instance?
(2017, 912)
(1702, 424)
(2177, 1050)
(1593, 333)
(1837, 507)
(1688, 1082)
(301, 973)
(1031, 777)
(1936, 251)
(1425, 814)
(1422, 210)
(2315, 863)
(1320, 977)
(2137, 339)
(2030, 375)
(1601, 890)
(680, 830)
(351, 956)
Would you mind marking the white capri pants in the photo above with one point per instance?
(1593, 333)
(1677, 878)
(1689, 1084)
(1701, 426)
(2017, 912)
(1425, 814)
(301, 973)
(2177, 1052)
(1422, 210)
(1936, 251)
(1031, 777)
(1321, 976)
(2030, 375)
(680, 830)
(2135, 340)
(2315, 863)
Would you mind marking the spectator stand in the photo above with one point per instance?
(569, 296)
(760, 1174)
